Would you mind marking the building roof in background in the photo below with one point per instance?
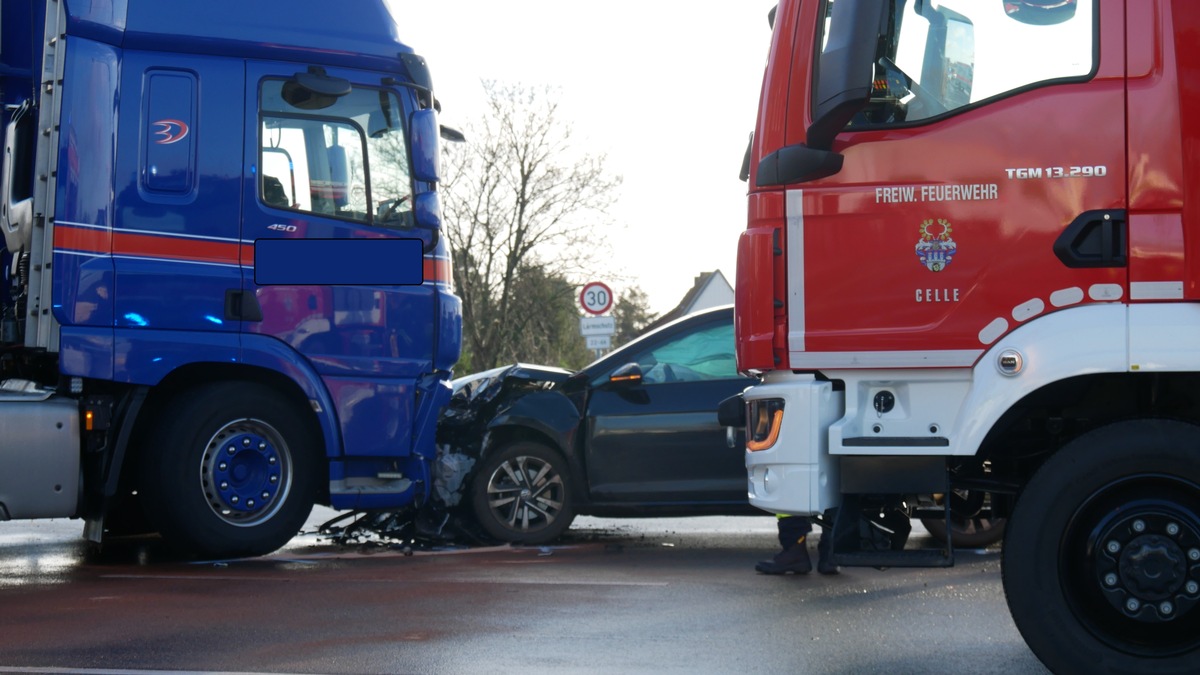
(709, 290)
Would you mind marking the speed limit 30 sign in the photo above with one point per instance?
(596, 298)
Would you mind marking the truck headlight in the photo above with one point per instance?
(764, 418)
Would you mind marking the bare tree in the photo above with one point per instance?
(632, 314)
(519, 200)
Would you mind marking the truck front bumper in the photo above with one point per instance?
(792, 472)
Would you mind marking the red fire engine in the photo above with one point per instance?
(968, 270)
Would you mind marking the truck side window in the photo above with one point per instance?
(348, 159)
(941, 56)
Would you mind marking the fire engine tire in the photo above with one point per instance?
(522, 494)
(231, 470)
(975, 531)
(1101, 560)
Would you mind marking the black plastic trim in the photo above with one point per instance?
(896, 442)
(1094, 239)
(892, 474)
(242, 306)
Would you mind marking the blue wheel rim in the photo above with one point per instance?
(246, 472)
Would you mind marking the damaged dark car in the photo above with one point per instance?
(524, 449)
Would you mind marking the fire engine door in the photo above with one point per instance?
(983, 185)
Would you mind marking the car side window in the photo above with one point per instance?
(706, 354)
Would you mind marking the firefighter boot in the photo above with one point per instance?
(793, 559)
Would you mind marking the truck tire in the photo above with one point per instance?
(521, 494)
(231, 470)
(1101, 561)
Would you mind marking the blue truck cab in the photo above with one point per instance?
(158, 370)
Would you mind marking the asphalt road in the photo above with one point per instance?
(616, 596)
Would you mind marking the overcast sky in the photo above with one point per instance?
(666, 88)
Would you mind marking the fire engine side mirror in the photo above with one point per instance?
(796, 163)
(1040, 12)
(846, 67)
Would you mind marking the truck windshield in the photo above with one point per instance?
(347, 160)
(939, 56)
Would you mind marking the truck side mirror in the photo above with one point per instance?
(847, 67)
(427, 211)
(425, 132)
(418, 72)
(453, 135)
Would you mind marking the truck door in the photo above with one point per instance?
(174, 237)
(983, 185)
(335, 165)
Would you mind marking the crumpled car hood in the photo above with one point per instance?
(462, 427)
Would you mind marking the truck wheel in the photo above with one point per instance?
(522, 494)
(970, 522)
(231, 470)
(1101, 561)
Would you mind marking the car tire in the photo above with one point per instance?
(230, 470)
(1101, 560)
(522, 494)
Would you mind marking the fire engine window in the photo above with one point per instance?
(940, 56)
(343, 157)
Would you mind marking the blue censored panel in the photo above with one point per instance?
(338, 262)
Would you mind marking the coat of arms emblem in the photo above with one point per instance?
(936, 249)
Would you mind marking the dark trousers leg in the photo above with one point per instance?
(825, 545)
(792, 529)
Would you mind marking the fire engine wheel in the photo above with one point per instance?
(1101, 561)
(231, 470)
(970, 521)
(522, 494)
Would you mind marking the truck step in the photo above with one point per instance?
(926, 557)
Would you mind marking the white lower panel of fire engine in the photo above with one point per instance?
(1164, 337)
(954, 408)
